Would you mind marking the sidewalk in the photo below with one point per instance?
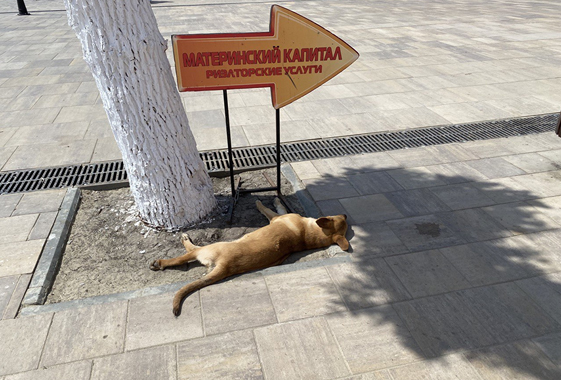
(456, 267)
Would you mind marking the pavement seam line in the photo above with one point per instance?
(259, 353)
(271, 298)
(330, 331)
(44, 348)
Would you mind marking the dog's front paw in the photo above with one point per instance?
(156, 265)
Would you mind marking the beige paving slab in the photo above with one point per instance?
(11, 310)
(30, 117)
(427, 273)
(80, 113)
(20, 257)
(546, 184)
(446, 367)
(42, 227)
(303, 294)
(415, 178)
(16, 228)
(84, 333)
(551, 346)
(375, 240)
(521, 217)
(39, 202)
(5, 154)
(150, 364)
(151, 322)
(370, 208)
(226, 356)
(50, 133)
(106, 149)
(545, 291)
(20, 350)
(72, 371)
(45, 155)
(247, 301)
(7, 287)
(303, 349)
(521, 360)
(373, 339)
(367, 283)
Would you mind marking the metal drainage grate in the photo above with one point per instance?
(264, 156)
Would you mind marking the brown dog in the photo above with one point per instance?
(263, 248)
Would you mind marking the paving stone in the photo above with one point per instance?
(7, 287)
(12, 308)
(546, 184)
(106, 149)
(489, 262)
(80, 113)
(427, 273)
(370, 208)
(335, 167)
(45, 155)
(415, 157)
(367, 283)
(488, 148)
(5, 154)
(520, 360)
(416, 202)
(375, 240)
(84, 333)
(474, 225)
(532, 163)
(227, 356)
(300, 350)
(248, 303)
(415, 178)
(422, 233)
(151, 322)
(29, 117)
(72, 371)
(16, 228)
(41, 201)
(329, 188)
(20, 350)
(452, 153)
(303, 294)
(372, 162)
(98, 129)
(305, 170)
(373, 339)
(508, 312)
(373, 183)
(457, 172)
(521, 217)
(150, 364)
(495, 167)
(49, 134)
(333, 207)
(68, 100)
(19, 257)
(551, 346)
(42, 227)
(504, 190)
(378, 375)
(462, 196)
(545, 291)
(446, 367)
(215, 138)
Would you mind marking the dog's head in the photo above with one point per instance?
(336, 228)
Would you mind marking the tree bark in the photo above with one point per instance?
(126, 54)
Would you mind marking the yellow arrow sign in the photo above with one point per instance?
(295, 57)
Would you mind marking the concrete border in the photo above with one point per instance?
(45, 272)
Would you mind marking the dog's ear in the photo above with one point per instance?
(342, 242)
(325, 222)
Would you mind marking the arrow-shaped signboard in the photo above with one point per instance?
(295, 57)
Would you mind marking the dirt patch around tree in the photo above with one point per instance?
(109, 249)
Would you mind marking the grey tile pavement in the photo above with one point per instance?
(454, 264)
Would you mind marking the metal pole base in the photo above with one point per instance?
(22, 9)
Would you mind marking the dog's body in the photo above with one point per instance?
(263, 248)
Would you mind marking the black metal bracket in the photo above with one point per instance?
(236, 189)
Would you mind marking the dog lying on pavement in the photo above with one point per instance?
(263, 248)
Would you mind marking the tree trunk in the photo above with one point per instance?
(126, 54)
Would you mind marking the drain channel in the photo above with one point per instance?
(264, 156)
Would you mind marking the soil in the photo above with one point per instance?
(109, 249)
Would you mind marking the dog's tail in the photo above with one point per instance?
(217, 274)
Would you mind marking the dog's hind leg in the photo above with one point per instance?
(162, 264)
(269, 214)
(281, 210)
(218, 273)
(187, 243)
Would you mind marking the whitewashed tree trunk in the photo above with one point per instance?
(126, 54)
